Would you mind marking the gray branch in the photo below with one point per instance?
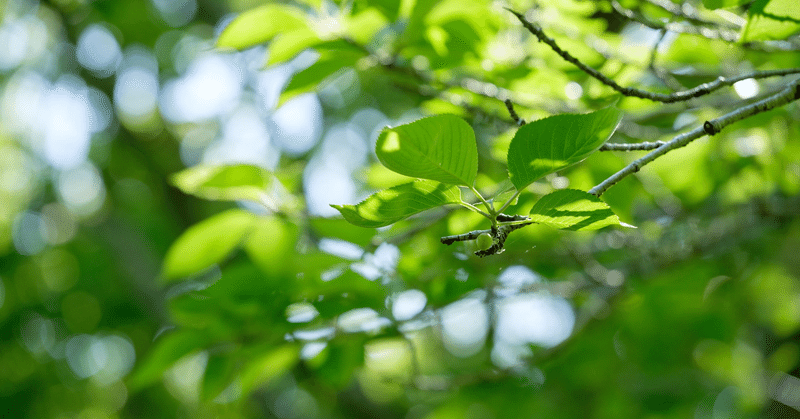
(631, 146)
(698, 91)
(787, 95)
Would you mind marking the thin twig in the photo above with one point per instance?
(513, 113)
(787, 95)
(693, 29)
(631, 146)
(698, 91)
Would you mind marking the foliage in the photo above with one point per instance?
(168, 246)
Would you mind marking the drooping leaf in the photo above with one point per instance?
(260, 25)
(556, 142)
(571, 209)
(771, 20)
(440, 148)
(207, 243)
(394, 204)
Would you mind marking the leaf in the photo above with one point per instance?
(440, 148)
(719, 4)
(169, 348)
(206, 243)
(330, 62)
(557, 142)
(771, 20)
(394, 204)
(224, 183)
(259, 25)
(571, 209)
(288, 44)
(265, 369)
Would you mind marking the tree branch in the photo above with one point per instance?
(787, 95)
(631, 146)
(698, 91)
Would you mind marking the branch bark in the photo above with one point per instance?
(787, 95)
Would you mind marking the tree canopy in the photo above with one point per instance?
(400, 209)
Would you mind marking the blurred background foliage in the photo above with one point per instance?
(123, 296)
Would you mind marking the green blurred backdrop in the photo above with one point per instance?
(122, 296)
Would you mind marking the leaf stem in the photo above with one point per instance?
(489, 207)
(476, 209)
(510, 200)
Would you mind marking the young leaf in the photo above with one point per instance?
(259, 25)
(556, 142)
(440, 148)
(394, 204)
(570, 209)
(207, 243)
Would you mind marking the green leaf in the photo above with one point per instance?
(394, 204)
(168, 349)
(571, 209)
(207, 243)
(556, 142)
(719, 4)
(287, 45)
(440, 148)
(259, 25)
(329, 63)
(224, 183)
(263, 370)
(771, 20)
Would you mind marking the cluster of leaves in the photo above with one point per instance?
(442, 149)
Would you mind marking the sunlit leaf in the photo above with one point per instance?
(287, 45)
(207, 243)
(260, 25)
(556, 142)
(771, 20)
(719, 4)
(440, 148)
(570, 209)
(394, 204)
(225, 183)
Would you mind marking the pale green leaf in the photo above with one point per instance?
(556, 142)
(225, 183)
(440, 148)
(168, 348)
(260, 25)
(207, 243)
(771, 20)
(287, 45)
(571, 209)
(394, 204)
